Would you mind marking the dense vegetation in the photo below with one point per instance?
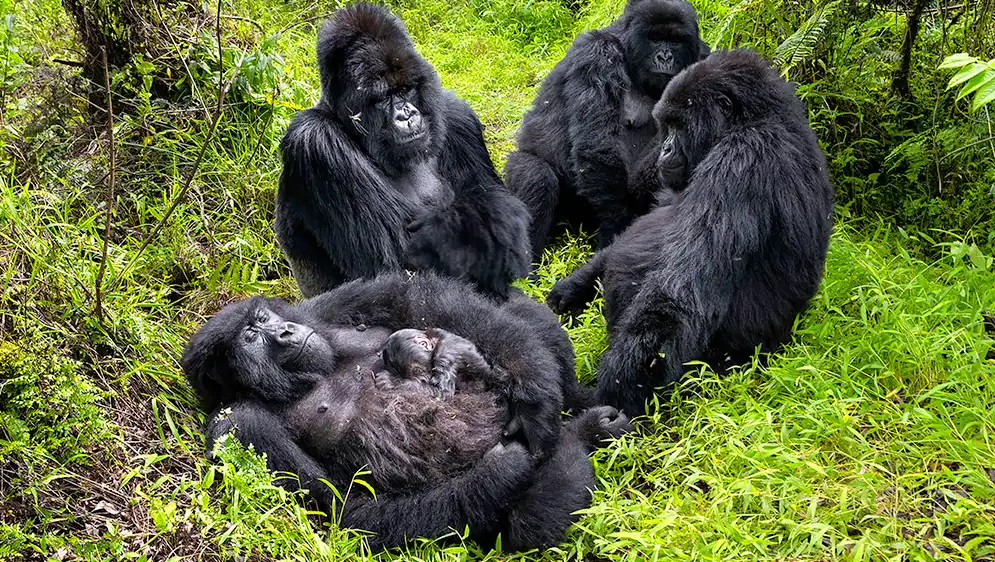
(871, 437)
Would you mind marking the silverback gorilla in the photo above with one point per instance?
(297, 382)
(740, 250)
(591, 121)
(389, 171)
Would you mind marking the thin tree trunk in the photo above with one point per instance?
(900, 82)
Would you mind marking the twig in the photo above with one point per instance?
(222, 90)
(297, 23)
(969, 145)
(255, 23)
(109, 211)
(3, 81)
(269, 120)
(72, 63)
(172, 39)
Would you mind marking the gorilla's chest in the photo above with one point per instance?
(638, 127)
(422, 188)
(323, 415)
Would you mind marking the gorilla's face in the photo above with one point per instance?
(661, 39)
(696, 110)
(388, 96)
(408, 353)
(260, 347)
(269, 343)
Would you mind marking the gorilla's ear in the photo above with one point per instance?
(207, 370)
(703, 50)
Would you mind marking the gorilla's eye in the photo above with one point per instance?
(262, 317)
(248, 334)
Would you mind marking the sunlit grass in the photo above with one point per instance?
(869, 437)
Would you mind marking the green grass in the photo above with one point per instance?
(870, 437)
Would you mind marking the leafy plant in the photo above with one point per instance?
(800, 45)
(974, 77)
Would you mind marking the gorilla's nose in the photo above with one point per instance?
(406, 111)
(287, 331)
(664, 60)
(667, 151)
(414, 121)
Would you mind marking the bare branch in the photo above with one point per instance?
(222, 90)
(109, 210)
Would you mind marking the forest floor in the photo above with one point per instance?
(870, 437)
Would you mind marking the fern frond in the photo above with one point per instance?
(743, 6)
(800, 46)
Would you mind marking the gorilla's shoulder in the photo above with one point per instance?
(596, 48)
(306, 126)
(460, 118)
(313, 135)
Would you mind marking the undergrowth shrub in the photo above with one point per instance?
(49, 409)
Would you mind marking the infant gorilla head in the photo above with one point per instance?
(408, 354)
(437, 361)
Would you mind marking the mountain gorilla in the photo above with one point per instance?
(297, 383)
(591, 121)
(739, 252)
(437, 362)
(389, 171)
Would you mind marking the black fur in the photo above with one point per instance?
(591, 121)
(736, 255)
(312, 406)
(389, 170)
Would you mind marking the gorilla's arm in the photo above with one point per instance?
(483, 234)
(719, 224)
(254, 425)
(594, 87)
(570, 294)
(473, 499)
(397, 301)
(330, 189)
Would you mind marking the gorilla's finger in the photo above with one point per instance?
(415, 225)
(514, 426)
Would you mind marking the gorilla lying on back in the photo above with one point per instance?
(591, 122)
(389, 171)
(297, 383)
(736, 255)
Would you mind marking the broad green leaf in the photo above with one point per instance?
(957, 60)
(975, 83)
(984, 96)
(966, 74)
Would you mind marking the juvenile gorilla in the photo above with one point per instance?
(298, 384)
(591, 122)
(436, 361)
(389, 171)
(736, 256)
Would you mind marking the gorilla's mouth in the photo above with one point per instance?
(407, 139)
(672, 172)
(302, 348)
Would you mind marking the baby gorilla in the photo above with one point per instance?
(435, 361)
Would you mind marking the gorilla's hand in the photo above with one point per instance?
(383, 381)
(432, 245)
(570, 295)
(513, 426)
(606, 422)
(512, 461)
(530, 424)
